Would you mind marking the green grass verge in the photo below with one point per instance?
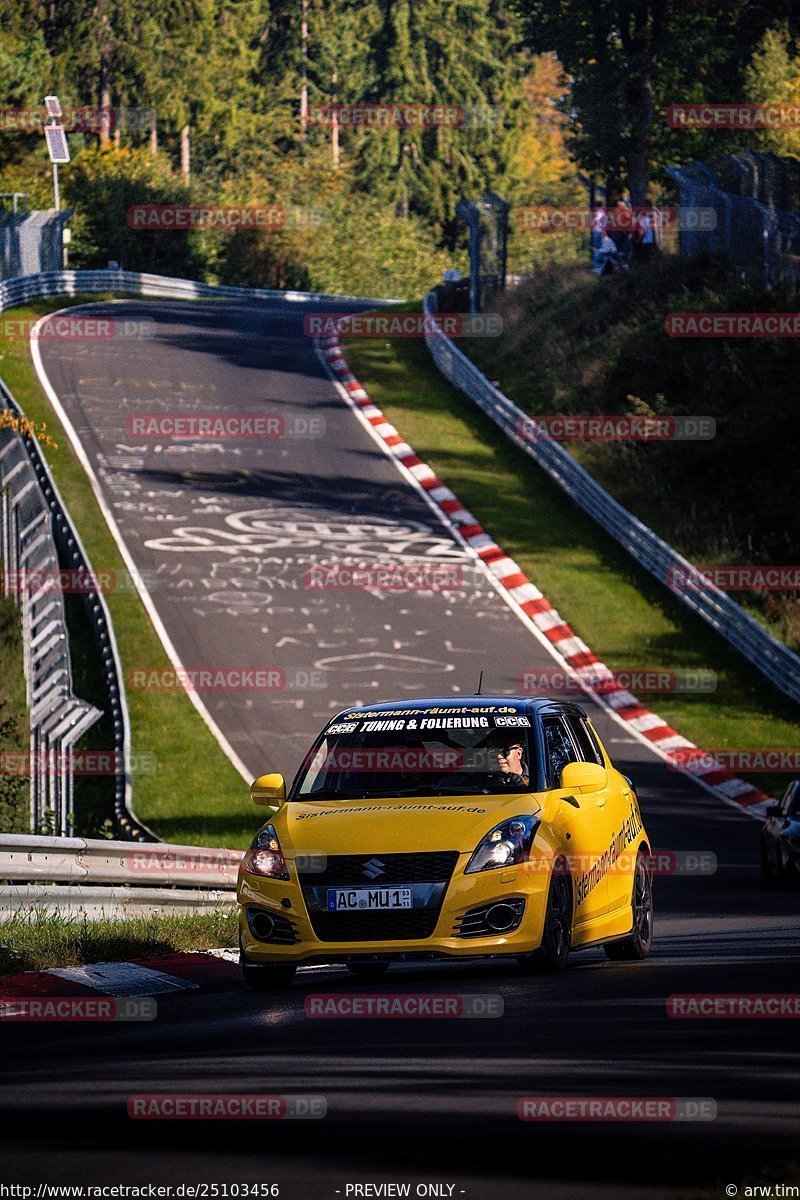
(573, 343)
(194, 795)
(14, 739)
(29, 943)
(631, 622)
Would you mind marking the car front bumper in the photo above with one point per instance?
(454, 930)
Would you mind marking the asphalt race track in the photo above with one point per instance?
(225, 532)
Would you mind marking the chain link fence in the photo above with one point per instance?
(753, 230)
(487, 219)
(31, 241)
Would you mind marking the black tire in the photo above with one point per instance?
(767, 872)
(369, 971)
(637, 945)
(269, 977)
(783, 873)
(553, 952)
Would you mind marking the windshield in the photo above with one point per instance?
(419, 756)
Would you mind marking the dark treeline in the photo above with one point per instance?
(228, 102)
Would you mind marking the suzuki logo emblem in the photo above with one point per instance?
(373, 868)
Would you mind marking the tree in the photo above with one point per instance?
(25, 68)
(773, 77)
(630, 59)
(541, 170)
(463, 55)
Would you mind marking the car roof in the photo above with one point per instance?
(481, 704)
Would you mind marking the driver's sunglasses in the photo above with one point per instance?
(505, 751)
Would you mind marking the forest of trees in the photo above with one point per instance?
(219, 102)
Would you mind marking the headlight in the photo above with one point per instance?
(265, 856)
(504, 846)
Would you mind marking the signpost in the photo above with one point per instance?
(57, 147)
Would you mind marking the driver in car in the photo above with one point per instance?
(512, 767)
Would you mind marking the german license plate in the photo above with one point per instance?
(361, 899)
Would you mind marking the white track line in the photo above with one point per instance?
(116, 533)
(530, 625)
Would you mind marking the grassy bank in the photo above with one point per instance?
(14, 739)
(30, 943)
(187, 790)
(573, 343)
(628, 619)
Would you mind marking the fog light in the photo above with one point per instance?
(501, 917)
(263, 925)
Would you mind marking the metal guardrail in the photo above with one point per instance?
(22, 288)
(30, 575)
(95, 903)
(774, 660)
(103, 878)
(39, 539)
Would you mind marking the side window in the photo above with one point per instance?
(582, 736)
(789, 799)
(794, 803)
(558, 749)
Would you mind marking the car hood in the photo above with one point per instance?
(404, 825)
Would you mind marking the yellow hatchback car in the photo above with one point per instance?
(446, 828)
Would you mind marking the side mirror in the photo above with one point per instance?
(773, 810)
(269, 790)
(583, 777)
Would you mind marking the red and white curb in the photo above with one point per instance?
(552, 630)
(136, 977)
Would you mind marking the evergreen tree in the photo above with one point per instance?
(773, 77)
(463, 55)
(630, 59)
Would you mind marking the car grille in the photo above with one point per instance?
(347, 870)
(384, 926)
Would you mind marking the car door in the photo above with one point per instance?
(776, 827)
(581, 820)
(620, 800)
